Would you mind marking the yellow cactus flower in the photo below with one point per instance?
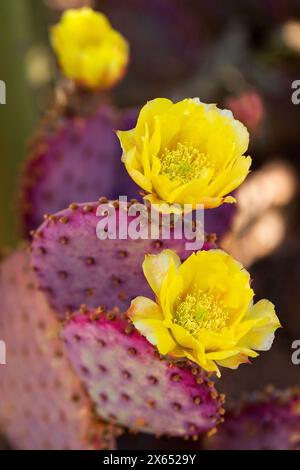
(204, 310)
(186, 153)
(89, 50)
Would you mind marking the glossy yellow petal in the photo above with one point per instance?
(126, 139)
(199, 359)
(195, 152)
(218, 272)
(143, 308)
(222, 355)
(216, 341)
(147, 317)
(232, 177)
(233, 362)
(212, 203)
(148, 113)
(157, 335)
(171, 289)
(261, 336)
(136, 171)
(184, 338)
(163, 187)
(161, 206)
(202, 311)
(155, 268)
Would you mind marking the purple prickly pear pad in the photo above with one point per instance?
(131, 385)
(43, 404)
(78, 161)
(75, 267)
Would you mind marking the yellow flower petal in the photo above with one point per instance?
(161, 206)
(222, 355)
(148, 113)
(216, 341)
(191, 152)
(184, 338)
(135, 171)
(261, 336)
(142, 307)
(234, 362)
(147, 317)
(156, 267)
(202, 310)
(89, 50)
(127, 139)
(157, 334)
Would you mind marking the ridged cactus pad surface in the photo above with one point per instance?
(132, 385)
(74, 267)
(43, 405)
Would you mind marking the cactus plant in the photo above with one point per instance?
(74, 157)
(43, 405)
(131, 385)
(141, 368)
(74, 267)
(263, 421)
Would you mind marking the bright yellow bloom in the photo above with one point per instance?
(204, 310)
(186, 152)
(89, 50)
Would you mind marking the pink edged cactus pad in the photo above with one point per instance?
(132, 385)
(43, 405)
(74, 267)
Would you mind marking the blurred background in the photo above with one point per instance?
(243, 55)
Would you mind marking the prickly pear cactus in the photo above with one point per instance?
(134, 387)
(42, 405)
(75, 157)
(74, 267)
(263, 421)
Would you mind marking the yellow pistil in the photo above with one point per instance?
(201, 311)
(185, 163)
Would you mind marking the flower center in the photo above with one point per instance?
(185, 163)
(201, 310)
